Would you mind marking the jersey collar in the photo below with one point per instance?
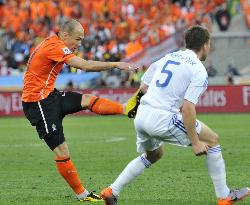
(192, 53)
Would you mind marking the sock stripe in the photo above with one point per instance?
(211, 151)
(214, 149)
(62, 160)
(92, 105)
(145, 162)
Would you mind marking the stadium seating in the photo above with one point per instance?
(115, 29)
(246, 9)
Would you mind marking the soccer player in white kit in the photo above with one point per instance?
(176, 80)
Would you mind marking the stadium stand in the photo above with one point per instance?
(231, 48)
(115, 29)
(246, 10)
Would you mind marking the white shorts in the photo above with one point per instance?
(154, 126)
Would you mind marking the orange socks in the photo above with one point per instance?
(67, 170)
(105, 106)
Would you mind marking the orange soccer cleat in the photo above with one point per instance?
(234, 196)
(108, 196)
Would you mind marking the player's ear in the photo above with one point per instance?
(207, 47)
(204, 47)
(65, 35)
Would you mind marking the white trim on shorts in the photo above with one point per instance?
(44, 120)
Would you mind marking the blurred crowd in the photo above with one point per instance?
(115, 29)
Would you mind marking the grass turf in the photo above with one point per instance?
(101, 147)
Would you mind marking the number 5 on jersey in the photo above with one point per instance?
(168, 74)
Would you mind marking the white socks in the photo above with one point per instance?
(83, 195)
(215, 164)
(216, 169)
(131, 171)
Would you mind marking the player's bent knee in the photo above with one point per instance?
(62, 151)
(214, 140)
(86, 98)
(159, 155)
(62, 155)
(208, 136)
(154, 156)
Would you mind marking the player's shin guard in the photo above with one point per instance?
(131, 171)
(103, 106)
(216, 169)
(67, 170)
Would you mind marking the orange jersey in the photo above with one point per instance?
(44, 65)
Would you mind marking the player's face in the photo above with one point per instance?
(74, 41)
(205, 51)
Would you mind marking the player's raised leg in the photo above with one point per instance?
(217, 171)
(102, 106)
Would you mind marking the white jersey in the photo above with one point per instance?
(177, 76)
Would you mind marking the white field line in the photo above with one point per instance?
(108, 140)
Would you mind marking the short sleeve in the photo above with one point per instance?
(148, 75)
(59, 53)
(198, 85)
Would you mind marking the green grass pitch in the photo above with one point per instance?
(101, 147)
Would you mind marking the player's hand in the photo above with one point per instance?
(200, 148)
(126, 66)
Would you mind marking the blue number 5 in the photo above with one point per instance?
(168, 72)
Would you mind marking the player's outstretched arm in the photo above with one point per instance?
(95, 66)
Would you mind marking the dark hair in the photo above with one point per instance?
(196, 37)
